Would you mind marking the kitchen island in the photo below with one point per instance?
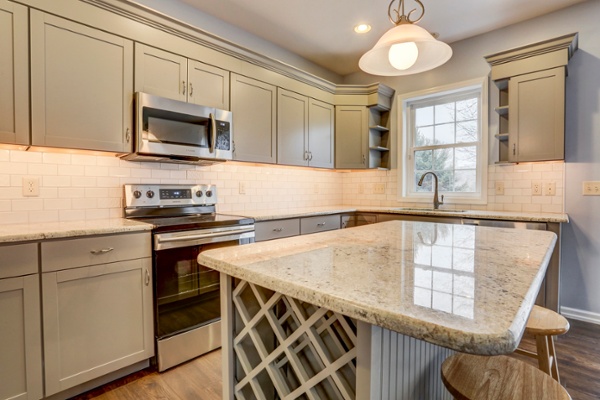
(371, 312)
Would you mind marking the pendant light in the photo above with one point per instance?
(406, 48)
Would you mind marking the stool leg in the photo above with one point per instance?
(554, 367)
(543, 353)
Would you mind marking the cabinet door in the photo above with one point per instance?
(97, 320)
(537, 116)
(292, 128)
(209, 86)
(320, 134)
(14, 68)
(21, 344)
(351, 139)
(253, 107)
(160, 73)
(81, 86)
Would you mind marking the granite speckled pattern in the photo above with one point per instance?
(55, 230)
(463, 287)
(266, 215)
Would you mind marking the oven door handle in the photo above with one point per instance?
(233, 234)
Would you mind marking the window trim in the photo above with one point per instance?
(406, 164)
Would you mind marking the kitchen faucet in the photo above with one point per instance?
(436, 201)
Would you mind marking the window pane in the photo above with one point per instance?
(444, 134)
(465, 180)
(424, 136)
(444, 113)
(424, 116)
(467, 132)
(423, 160)
(467, 109)
(465, 157)
(445, 181)
(443, 159)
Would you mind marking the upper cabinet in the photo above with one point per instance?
(254, 112)
(351, 136)
(81, 86)
(165, 74)
(304, 130)
(531, 107)
(14, 79)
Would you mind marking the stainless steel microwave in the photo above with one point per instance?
(175, 131)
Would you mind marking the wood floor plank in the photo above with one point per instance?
(578, 353)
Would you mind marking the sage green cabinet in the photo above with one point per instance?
(14, 76)
(536, 116)
(20, 327)
(165, 74)
(254, 112)
(351, 137)
(81, 86)
(305, 130)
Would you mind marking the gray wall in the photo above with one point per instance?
(580, 286)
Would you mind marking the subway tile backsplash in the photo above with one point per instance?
(82, 186)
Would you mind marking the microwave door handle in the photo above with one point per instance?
(213, 133)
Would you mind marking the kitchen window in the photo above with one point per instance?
(445, 131)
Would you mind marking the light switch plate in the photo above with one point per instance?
(379, 188)
(591, 188)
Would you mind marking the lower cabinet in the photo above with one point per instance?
(97, 318)
(20, 333)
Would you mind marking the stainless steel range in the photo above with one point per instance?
(186, 294)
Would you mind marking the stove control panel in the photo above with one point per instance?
(164, 195)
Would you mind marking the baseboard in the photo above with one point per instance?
(580, 315)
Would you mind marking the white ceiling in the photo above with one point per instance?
(322, 30)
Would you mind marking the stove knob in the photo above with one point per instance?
(137, 194)
(199, 193)
(150, 194)
(209, 193)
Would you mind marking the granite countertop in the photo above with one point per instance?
(266, 215)
(463, 287)
(56, 230)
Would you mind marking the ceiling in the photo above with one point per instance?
(321, 31)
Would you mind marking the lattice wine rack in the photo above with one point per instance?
(288, 349)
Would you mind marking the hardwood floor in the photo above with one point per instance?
(578, 354)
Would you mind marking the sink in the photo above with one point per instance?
(426, 209)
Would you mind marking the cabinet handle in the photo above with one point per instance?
(321, 224)
(233, 146)
(103, 251)
(514, 149)
(364, 160)
(191, 89)
(305, 155)
(147, 277)
(183, 87)
(128, 135)
(278, 230)
(310, 156)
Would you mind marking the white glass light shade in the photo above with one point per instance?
(431, 53)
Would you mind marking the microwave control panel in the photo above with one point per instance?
(169, 195)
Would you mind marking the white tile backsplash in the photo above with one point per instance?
(81, 186)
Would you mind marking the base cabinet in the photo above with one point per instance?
(20, 333)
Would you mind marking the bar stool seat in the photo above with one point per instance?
(471, 377)
(544, 324)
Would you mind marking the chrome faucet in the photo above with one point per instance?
(436, 201)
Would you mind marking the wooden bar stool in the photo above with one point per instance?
(544, 324)
(470, 377)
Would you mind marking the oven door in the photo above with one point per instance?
(187, 295)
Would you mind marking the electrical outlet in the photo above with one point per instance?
(361, 188)
(242, 188)
(550, 189)
(499, 188)
(591, 188)
(379, 188)
(536, 188)
(31, 186)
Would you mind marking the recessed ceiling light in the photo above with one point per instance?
(362, 28)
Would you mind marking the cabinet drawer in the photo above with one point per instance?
(276, 229)
(319, 224)
(18, 260)
(72, 253)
